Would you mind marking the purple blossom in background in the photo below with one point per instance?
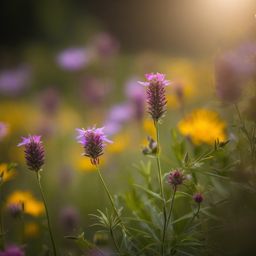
(73, 59)
(112, 128)
(3, 130)
(93, 140)
(12, 250)
(120, 113)
(69, 219)
(156, 95)
(14, 81)
(233, 70)
(105, 45)
(50, 100)
(136, 95)
(34, 152)
(94, 90)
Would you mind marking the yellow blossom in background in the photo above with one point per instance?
(149, 128)
(32, 206)
(31, 229)
(82, 163)
(120, 143)
(203, 126)
(7, 174)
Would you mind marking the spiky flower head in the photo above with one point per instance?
(176, 178)
(155, 95)
(198, 197)
(34, 152)
(93, 140)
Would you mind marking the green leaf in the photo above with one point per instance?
(150, 192)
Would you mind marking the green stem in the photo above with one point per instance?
(114, 240)
(107, 191)
(171, 207)
(47, 214)
(161, 186)
(193, 218)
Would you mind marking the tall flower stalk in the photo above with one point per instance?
(156, 104)
(94, 141)
(34, 155)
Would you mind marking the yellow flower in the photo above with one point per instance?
(203, 126)
(31, 229)
(32, 206)
(7, 174)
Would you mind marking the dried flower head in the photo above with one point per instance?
(156, 95)
(176, 178)
(198, 197)
(93, 141)
(34, 152)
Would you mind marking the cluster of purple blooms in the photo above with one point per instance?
(94, 141)
(12, 250)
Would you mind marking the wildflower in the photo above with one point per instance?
(29, 204)
(14, 81)
(4, 129)
(34, 152)
(31, 229)
(73, 58)
(6, 173)
(93, 141)
(176, 178)
(69, 219)
(203, 126)
(136, 95)
(15, 209)
(12, 250)
(152, 148)
(155, 95)
(105, 45)
(198, 197)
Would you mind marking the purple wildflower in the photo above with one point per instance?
(136, 95)
(34, 152)
(176, 178)
(155, 95)
(106, 45)
(69, 219)
(15, 209)
(14, 81)
(3, 130)
(12, 250)
(93, 141)
(198, 197)
(73, 58)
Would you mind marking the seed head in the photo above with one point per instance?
(34, 152)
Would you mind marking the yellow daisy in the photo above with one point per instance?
(203, 126)
(6, 174)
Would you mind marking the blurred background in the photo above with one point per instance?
(72, 63)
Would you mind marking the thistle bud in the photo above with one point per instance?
(198, 197)
(176, 178)
(34, 152)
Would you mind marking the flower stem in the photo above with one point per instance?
(47, 214)
(171, 207)
(107, 191)
(113, 206)
(161, 186)
(193, 218)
